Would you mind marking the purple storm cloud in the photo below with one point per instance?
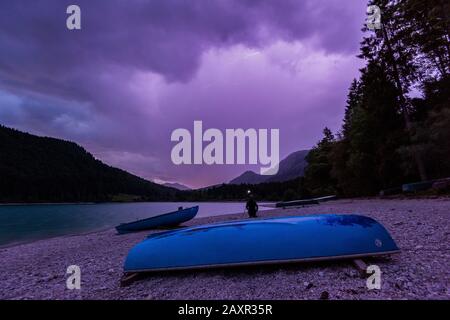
(137, 70)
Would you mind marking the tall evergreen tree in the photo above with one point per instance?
(318, 172)
(427, 29)
(388, 48)
(365, 159)
(353, 99)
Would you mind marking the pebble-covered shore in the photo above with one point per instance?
(421, 228)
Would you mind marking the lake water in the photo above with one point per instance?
(23, 223)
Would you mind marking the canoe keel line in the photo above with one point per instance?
(259, 242)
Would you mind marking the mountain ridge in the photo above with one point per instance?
(291, 167)
(46, 169)
(177, 186)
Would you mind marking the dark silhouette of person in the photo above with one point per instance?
(252, 207)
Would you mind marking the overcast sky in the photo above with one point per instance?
(140, 69)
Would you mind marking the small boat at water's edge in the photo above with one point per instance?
(263, 241)
(296, 203)
(304, 202)
(164, 220)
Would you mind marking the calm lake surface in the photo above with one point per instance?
(24, 223)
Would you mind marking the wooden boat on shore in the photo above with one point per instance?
(417, 186)
(164, 220)
(263, 241)
(296, 203)
(304, 202)
(326, 198)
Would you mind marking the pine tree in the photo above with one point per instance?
(388, 48)
(318, 177)
(365, 159)
(427, 28)
(353, 99)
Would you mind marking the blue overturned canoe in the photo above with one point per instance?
(164, 220)
(264, 241)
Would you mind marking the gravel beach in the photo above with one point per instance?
(420, 227)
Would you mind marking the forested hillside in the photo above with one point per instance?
(41, 169)
(389, 135)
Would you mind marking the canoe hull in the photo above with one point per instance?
(164, 220)
(264, 241)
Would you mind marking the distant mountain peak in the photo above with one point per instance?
(177, 186)
(249, 177)
(291, 167)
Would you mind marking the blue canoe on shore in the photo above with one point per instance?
(263, 241)
(164, 220)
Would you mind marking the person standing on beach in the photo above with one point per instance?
(251, 206)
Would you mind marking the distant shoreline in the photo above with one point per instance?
(391, 197)
(45, 203)
(121, 202)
